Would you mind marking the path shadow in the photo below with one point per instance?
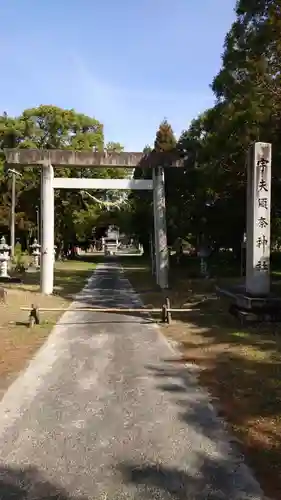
(194, 405)
(30, 484)
(244, 392)
(209, 478)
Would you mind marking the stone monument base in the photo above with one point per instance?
(9, 279)
(249, 308)
(32, 269)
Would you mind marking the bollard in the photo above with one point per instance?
(164, 314)
(3, 295)
(34, 316)
(168, 311)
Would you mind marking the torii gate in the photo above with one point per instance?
(48, 159)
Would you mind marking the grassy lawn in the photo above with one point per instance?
(17, 342)
(240, 367)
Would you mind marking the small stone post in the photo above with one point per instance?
(4, 258)
(35, 253)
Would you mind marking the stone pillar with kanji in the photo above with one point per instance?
(258, 220)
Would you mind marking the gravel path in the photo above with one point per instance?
(104, 412)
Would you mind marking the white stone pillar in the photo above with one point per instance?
(161, 248)
(47, 230)
(258, 220)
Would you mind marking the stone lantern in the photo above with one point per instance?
(35, 253)
(4, 257)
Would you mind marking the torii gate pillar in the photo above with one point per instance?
(47, 229)
(160, 230)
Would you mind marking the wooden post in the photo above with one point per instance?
(34, 318)
(169, 314)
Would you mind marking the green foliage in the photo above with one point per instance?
(17, 249)
(50, 127)
(207, 198)
(140, 221)
(114, 147)
(165, 139)
(19, 263)
(19, 259)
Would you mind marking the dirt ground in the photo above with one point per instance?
(240, 367)
(18, 342)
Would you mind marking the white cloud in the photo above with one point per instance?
(132, 115)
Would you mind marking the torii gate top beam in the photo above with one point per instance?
(86, 159)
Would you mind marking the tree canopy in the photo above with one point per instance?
(50, 127)
(207, 198)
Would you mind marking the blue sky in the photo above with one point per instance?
(128, 63)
